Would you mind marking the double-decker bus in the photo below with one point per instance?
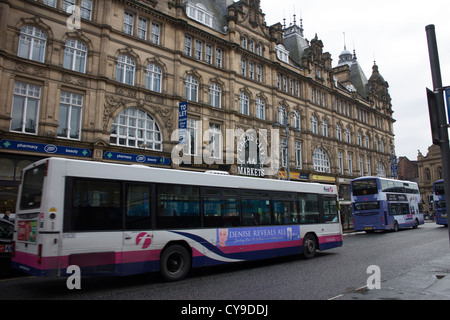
(117, 219)
(440, 208)
(385, 204)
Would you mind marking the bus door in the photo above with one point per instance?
(93, 225)
(138, 236)
(331, 215)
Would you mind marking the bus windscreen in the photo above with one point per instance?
(33, 182)
(364, 187)
(439, 189)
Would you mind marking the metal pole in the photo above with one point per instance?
(440, 106)
(288, 168)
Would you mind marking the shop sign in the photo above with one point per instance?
(324, 178)
(119, 156)
(293, 175)
(7, 144)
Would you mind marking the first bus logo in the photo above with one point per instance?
(144, 239)
(328, 189)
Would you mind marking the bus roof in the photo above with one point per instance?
(386, 179)
(141, 173)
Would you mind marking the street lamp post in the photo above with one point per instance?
(286, 117)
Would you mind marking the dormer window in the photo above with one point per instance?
(282, 53)
(199, 13)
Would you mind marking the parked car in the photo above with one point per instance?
(6, 235)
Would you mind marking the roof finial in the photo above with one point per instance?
(345, 45)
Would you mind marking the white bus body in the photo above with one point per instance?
(120, 219)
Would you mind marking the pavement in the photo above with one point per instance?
(430, 281)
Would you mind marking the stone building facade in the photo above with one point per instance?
(103, 80)
(430, 170)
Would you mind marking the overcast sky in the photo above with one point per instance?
(391, 32)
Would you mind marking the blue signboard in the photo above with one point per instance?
(182, 122)
(394, 171)
(7, 144)
(119, 156)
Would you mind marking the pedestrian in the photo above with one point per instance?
(6, 215)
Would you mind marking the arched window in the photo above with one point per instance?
(282, 115)
(153, 77)
(427, 175)
(191, 89)
(297, 121)
(244, 42)
(321, 161)
(215, 95)
(381, 171)
(339, 132)
(325, 127)
(136, 129)
(75, 56)
(125, 69)
(32, 43)
(244, 104)
(260, 108)
(314, 124)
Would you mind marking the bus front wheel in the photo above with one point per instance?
(309, 246)
(175, 263)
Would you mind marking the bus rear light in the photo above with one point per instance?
(39, 254)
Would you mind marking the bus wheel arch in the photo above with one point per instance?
(310, 245)
(175, 261)
(395, 226)
(416, 224)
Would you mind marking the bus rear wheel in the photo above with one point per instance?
(309, 246)
(175, 263)
(395, 226)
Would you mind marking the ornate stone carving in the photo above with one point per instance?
(29, 69)
(68, 78)
(112, 104)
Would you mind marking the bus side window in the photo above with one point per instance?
(330, 211)
(94, 205)
(138, 207)
(177, 206)
(220, 212)
(256, 212)
(309, 208)
(285, 212)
